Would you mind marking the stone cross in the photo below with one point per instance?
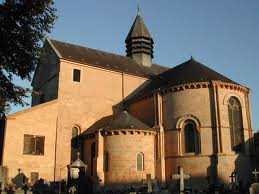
(149, 182)
(181, 176)
(233, 176)
(255, 174)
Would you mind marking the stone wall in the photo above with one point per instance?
(209, 111)
(122, 150)
(40, 120)
(98, 94)
(144, 110)
(46, 76)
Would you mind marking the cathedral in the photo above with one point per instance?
(129, 118)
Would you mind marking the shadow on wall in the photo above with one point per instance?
(226, 164)
(245, 164)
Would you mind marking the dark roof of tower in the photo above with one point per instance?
(121, 120)
(138, 29)
(104, 60)
(190, 71)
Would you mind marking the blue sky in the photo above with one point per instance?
(224, 35)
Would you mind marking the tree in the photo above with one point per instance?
(23, 27)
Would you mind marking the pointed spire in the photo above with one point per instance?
(139, 43)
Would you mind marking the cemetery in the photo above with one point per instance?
(78, 182)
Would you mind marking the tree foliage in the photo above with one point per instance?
(23, 26)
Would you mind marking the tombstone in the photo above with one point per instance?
(181, 177)
(254, 189)
(149, 183)
(39, 187)
(20, 179)
(34, 177)
(255, 174)
(3, 176)
(155, 189)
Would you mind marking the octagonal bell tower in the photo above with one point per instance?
(139, 43)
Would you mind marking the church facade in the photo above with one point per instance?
(128, 118)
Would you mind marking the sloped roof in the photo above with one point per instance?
(104, 60)
(190, 71)
(122, 120)
(138, 29)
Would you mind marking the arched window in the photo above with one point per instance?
(235, 124)
(75, 131)
(190, 137)
(93, 152)
(140, 162)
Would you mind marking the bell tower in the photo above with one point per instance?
(139, 43)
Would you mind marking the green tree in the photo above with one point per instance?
(23, 26)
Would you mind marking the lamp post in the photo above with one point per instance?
(59, 189)
(74, 170)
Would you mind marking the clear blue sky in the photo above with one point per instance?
(222, 34)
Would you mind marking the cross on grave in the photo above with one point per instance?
(255, 174)
(233, 177)
(181, 176)
(234, 185)
(148, 181)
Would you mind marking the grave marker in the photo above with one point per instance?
(181, 177)
(255, 174)
(20, 179)
(254, 189)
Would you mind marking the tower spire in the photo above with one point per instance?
(139, 43)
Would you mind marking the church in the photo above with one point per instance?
(128, 117)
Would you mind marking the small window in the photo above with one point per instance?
(76, 75)
(33, 145)
(140, 162)
(75, 132)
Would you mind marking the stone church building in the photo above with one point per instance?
(129, 117)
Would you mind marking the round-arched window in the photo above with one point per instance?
(140, 162)
(190, 137)
(75, 131)
(235, 124)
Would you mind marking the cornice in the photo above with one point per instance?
(128, 132)
(193, 85)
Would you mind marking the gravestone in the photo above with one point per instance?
(3, 176)
(181, 177)
(255, 174)
(149, 183)
(155, 189)
(254, 189)
(20, 179)
(40, 188)
(34, 177)
(234, 184)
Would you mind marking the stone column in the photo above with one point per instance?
(161, 136)
(3, 176)
(99, 163)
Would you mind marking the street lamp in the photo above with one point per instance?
(74, 170)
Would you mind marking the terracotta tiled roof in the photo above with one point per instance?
(104, 60)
